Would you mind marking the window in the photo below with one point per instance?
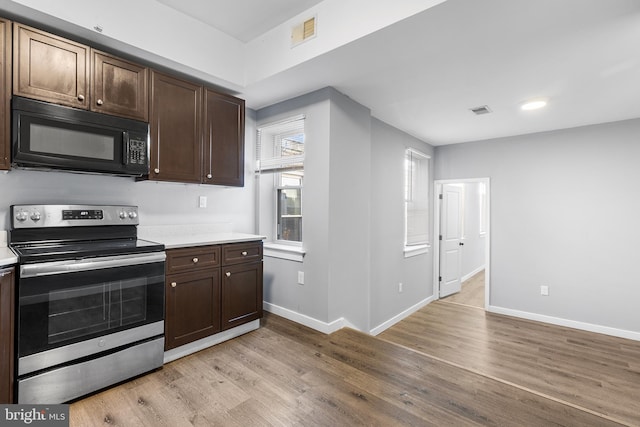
(280, 171)
(416, 199)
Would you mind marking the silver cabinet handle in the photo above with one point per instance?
(99, 102)
(209, 176)
(228, 274)
(174, 284)
(195, 260)
(80, 97)
(156, 170)
(244, 253)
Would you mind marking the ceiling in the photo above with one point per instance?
(242, 19)
(424, 74)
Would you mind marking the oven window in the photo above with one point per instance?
(83, 311)
(61, 309)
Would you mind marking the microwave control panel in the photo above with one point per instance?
(136, 151)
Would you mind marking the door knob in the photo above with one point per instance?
(174, 284)
(99, 102)
(228, 274)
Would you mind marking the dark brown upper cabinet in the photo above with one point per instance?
(58, 70)
(119, 87)
(175, 129)
(5, 94)
(223, 155)
(50, 68)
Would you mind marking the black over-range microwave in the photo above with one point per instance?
(51, 136)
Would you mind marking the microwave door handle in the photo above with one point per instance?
(125, 148)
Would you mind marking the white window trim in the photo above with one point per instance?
(415, 250)
(422, 248)
(284, 251)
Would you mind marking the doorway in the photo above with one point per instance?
(462, 228)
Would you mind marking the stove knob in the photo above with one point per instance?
(22, 216)
(122, 215)
(133, 214)
(35, 216)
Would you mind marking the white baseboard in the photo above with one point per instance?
(401, 316)
(326, 328)
(590, 327)
(336, 325)
(473, 273)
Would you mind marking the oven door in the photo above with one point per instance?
(72, 309)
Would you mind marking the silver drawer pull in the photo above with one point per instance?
(174, 284)
(195, 260)
(228, 273)
(244, 253)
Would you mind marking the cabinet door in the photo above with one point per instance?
(7, 303)
(50, 68)
(175, 129)
(5, 94)
(241, 294)
(119, 87)
(192, 307)
(223, 157)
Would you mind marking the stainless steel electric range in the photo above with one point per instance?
(90, 300)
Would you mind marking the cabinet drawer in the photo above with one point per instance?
(237, 253)
(194, 258)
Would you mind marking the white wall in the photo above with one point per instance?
(563, 214)
(160, 203)
(145, 29)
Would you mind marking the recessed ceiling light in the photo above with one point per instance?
(534, 104)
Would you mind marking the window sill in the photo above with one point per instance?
(411, 251)
(291, 253)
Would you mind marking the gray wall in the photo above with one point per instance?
(473, 251)
(353, 219)
(388, 264)
(564, 210)
(281, 288)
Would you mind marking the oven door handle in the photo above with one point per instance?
(88, 264)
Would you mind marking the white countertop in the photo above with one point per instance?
(180, 236)
(7, 257)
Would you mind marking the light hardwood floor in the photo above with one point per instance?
(437, 367)
(472, 292)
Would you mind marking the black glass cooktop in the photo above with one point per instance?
(59, 251)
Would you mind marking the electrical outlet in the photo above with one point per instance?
(301, 277)
(400, 287)
(544, 290)
(202, 201)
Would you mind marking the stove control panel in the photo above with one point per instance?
(35, 216)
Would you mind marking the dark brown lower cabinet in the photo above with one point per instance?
(7, 302)
(192, 307)
(210, 289)
(241, 294)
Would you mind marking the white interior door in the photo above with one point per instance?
(451, 240)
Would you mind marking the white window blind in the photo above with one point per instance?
(280, 146)
(416, 198)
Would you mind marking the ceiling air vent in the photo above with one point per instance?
(303, 31)
(483, 109)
